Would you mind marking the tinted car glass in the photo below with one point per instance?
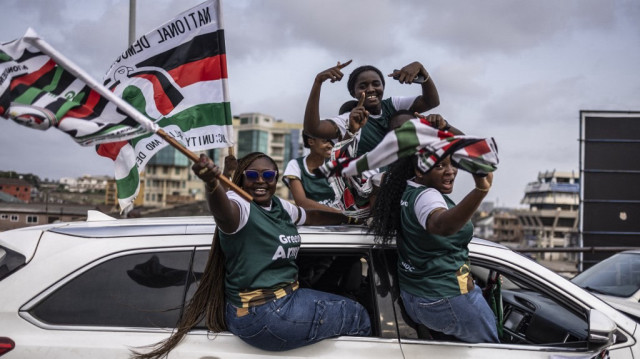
(199, 263)
(137, 290)
(10, 261)
(618, 275)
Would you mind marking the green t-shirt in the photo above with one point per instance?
(262, 254)
(376, 128)
(315, 188)
(430, 265)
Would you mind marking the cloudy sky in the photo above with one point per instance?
(519, 71)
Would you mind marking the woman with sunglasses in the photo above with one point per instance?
(308, 190)
(249, 286)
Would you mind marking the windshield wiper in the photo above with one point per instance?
(591, 289)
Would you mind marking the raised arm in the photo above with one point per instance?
(429, 98)
(225, 212)
(301, 199)
(312, 123)
(447, 222)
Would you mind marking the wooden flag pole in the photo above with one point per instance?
(193, 157)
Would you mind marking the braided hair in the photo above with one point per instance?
(208, 301)
(353, 77)
(385, 224)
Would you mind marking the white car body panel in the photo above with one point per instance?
(63, 251)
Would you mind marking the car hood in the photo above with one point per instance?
(624, 305)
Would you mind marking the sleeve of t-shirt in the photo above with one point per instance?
(403, 103)
(298, 214)
(244, 207)
(428, 201)
(291, 171)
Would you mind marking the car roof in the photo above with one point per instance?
(107, 227)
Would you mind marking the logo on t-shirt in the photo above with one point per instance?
(291, 251)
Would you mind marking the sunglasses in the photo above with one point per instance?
(267, 175)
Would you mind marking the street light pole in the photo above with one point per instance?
(132, 22)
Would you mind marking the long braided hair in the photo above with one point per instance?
(385, 223)
(208, 301)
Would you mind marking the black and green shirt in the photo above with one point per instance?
(261, 255)
(377, 126)
(315, 188)
(430, 265)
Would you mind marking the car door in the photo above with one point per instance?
(345, 270)
(536, 324)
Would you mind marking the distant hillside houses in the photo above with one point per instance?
(85, 183)
(16, 188)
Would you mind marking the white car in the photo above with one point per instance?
(98, 289)
(616, 280)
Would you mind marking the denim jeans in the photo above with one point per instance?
(468, 317)
(301, 318)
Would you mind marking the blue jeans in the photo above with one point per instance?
(468, 317)
(301, 318)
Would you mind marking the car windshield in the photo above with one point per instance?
(618, 275)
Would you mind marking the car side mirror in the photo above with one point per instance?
(601, 329)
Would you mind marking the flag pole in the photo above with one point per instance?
(32, 37)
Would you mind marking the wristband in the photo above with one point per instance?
(482, 189)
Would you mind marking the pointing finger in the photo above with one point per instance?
(343, 65)
(361, 101)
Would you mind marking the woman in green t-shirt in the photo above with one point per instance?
(433, 234)
(371, 116)
(308, 190)
(249, 286)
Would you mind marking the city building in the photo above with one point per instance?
(18, 215)
(86, 183)
(499, 225)
(552, 218)
(165, 179)
(16, 187)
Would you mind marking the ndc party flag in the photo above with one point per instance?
(416, 136)
(40, 92)
(176, 75)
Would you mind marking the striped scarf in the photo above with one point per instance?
(472, 154)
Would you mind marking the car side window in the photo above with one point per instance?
(135, 290)
(529, 315)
